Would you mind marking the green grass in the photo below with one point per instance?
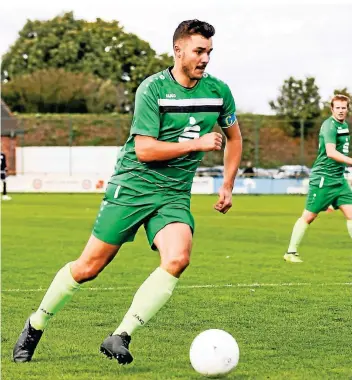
(295, 325)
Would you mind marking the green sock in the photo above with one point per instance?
(61, 290)
(298, 232)
(148, 300)
(349, 227)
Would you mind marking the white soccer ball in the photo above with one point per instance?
(214, 353)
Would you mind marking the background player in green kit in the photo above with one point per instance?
(175, 112)
(327, 185)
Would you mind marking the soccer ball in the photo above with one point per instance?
(214, 353)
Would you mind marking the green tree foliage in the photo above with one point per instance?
(59, 91)
(100, 48)
(298, 100)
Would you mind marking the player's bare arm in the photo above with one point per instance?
(332, 153)
(150, 149)
(232, 159)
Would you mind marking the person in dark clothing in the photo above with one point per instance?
(5, 197)
(248, 171)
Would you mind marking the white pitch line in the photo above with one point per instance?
(254, 285)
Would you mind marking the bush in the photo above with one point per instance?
(59, 91)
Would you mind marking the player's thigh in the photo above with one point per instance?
(170, 230)
(347, 211)
(119, 217)
(174, 211)
(174, 243)
(319, 199)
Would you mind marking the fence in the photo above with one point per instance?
(201, 185)
(267, 140)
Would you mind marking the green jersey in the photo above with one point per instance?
(170, 112)
(326, 171)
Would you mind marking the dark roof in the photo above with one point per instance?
(9, 125)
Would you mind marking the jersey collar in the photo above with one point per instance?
(183, 87)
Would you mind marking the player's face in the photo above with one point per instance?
(195, 55)
(339, 110)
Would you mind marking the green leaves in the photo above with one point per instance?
(58, 91)
(298, 100)
(100, 48)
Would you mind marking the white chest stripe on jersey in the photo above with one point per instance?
(191, 102)
(345, 130)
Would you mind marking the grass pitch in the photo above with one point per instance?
(290, 321)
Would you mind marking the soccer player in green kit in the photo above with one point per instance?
(327, 185)
(175, 112)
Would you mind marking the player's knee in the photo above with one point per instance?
(83, 272)
(183, 262)
(177, 264)
(308, 217)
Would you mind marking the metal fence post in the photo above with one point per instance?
(117, 131)
(256, 141)
(22, 144)
(302, 140)
(70, 141)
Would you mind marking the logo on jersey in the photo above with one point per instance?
(171, 96)
(346, 147)
(191, 132)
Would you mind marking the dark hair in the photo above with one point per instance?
(190, 27)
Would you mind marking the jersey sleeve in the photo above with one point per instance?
(227, 117)
(329, 133)
(146, 117)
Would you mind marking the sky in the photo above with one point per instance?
(257, 44)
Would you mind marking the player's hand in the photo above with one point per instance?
(208, 142)
(224, 202)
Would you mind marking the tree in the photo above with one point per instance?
(298, 100)
(100, 48)
(58, 91)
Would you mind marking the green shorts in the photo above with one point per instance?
(319, 199)
(124, 210)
